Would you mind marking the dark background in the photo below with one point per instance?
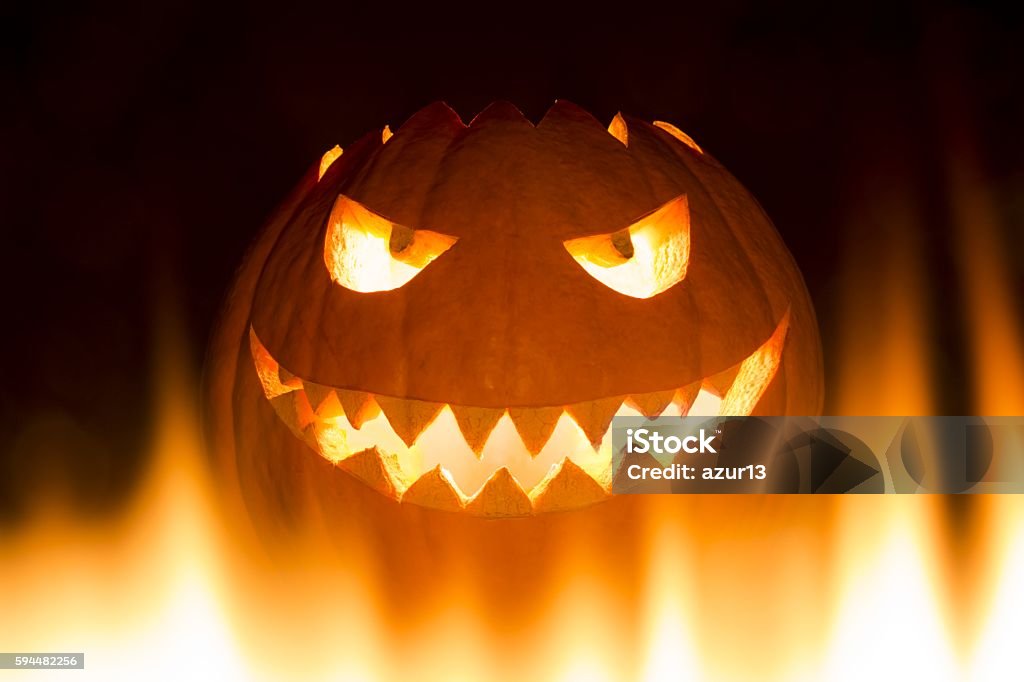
(144, 144)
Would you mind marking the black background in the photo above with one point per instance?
(144, 144)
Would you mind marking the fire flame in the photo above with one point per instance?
(784, 588)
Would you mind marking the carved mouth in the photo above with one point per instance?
(493, 462)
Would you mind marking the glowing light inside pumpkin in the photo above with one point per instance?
(393, 448)
(442, 444)
(365, 252)
(652, 260)
(756, 372)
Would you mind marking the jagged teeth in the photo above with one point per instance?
(318, 395)
(535, 425)
(476, 425)
(377, 469)
(594, 417)
(308, 408)
(724, 380)
(359, 407)
(329, 407)
(312, 411)
(437, 490)
(294, 410)
(685, 396)
(408, 418)
(500, 496)
(566, 486)
(651, 404)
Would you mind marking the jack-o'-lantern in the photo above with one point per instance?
(450, 316)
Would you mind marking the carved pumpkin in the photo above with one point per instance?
(450, 316)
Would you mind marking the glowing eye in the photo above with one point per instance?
(365, 252)
(644, 259)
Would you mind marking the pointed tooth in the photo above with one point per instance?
(567, 486)
(723, 381)
(685, 396)
(294, 410)
(594, 417)
(272, 386)
(535, 425)
(436, 490)
(408, 417)
(359, 407)
(316, 393)
(476, 424)
(284, 405)
(651, 404)
(378, 470)
(303, 410)
(386, 134)
(619, 130)
(330, 407)
(500, 496)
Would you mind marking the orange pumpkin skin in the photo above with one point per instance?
(506, 319)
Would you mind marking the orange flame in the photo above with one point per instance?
(883, 357)
(995, 332)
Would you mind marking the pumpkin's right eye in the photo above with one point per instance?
(646, 258)
(366, 252)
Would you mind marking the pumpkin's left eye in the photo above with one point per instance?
(366, 252)
(644, 259)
